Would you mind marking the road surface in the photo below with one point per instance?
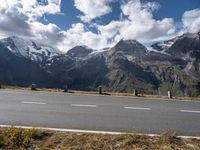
(99, 113)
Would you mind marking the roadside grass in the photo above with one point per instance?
(159, 97)
(13, 138)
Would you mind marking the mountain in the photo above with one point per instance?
(181, 45)
(17, 70)
(29, 49)
(79, 51)
(132, 47)
(163, 46)
(121, 68)
(187, 48)
(185, 44)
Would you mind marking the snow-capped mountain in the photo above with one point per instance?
(125, 66)
(130, 47)
(29, 49)
(79, 52)
(186, 43)
(162, 46)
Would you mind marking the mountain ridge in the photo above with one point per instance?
(126, 66)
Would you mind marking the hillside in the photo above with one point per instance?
(126, 66)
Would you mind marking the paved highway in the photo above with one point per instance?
(101, 113)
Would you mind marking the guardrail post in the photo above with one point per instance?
(100, 89)
(33, 87)
(169, 94)
(135, 92)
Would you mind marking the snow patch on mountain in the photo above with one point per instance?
(29, 49)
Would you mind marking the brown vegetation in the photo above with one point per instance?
(12, 138)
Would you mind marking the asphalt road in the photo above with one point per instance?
(101, 113)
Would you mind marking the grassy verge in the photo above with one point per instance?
(12, 138)
(159, 97)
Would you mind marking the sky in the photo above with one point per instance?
(97, 24)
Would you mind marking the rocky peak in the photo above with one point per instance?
(80, 51)
(188, 42)
(129, 47)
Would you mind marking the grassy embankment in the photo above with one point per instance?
(13, 138)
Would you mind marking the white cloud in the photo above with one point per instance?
(32, 8)
(49, 34)
(191, 20)
(92, 8)
(13, 22)
(20, 18)
(138, 23)
(78, 35)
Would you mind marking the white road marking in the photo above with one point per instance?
(190, 111)
(81, 105)
(137, 108)
(88, 131)
(35, 103)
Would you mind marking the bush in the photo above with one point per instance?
(1, 141)
(38, 134)
(13, 138)
(17, 138)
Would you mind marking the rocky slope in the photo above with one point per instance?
(123, 67)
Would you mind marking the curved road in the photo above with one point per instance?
(100, 113)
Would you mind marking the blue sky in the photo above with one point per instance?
(168, 8)
(97, 23)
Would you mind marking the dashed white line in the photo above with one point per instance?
(81, 105)
(190, 111)
(34, 103)
(137, 108)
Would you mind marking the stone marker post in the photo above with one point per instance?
(33, 87)
(135, 92)
(66, 88)
(169, 94)
(100, 89)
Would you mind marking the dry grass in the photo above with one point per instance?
(13, 138)
(159, 97)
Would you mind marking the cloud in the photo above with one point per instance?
(92, 8)
(49, 34)
(32, 8)
(14, 22)
(191, 20)
(138, 23)
(79, 35)
(21, 18)
(15, 19)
